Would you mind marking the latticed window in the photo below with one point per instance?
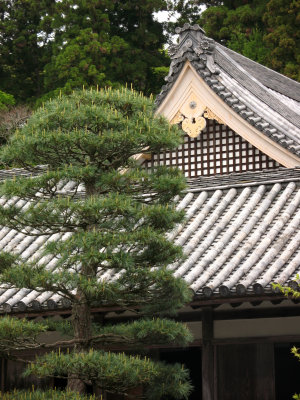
(217, 150)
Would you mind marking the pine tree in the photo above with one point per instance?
(110, 244)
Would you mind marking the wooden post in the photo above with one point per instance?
(3, 377)
(208, 359)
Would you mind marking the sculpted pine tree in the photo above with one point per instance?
(109, 245)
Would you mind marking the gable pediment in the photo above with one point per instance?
(191, 98)
(204, 75)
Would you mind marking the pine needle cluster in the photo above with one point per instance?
(51, 394)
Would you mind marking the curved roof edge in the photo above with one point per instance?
(268, 77)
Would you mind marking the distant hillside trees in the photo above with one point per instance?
(267, 31)
(48, 45)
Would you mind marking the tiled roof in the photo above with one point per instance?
(240, 237)
(241, 233)
(267, 100)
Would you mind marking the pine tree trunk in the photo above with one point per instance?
(75, 384)
(81, 318)
(82, 323)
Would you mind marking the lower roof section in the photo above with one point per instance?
(240, 235)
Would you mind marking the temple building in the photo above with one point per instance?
(241, 156)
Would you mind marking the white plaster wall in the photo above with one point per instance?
(256, 327)
(196, 329)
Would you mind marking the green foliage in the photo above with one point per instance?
(101, 122)
(289, 291)
(283, 36)
(151, 330)
(159, 74)
(62, 326)
(115, 251)
(295, 352)
(18, 334)
(267, 31)
(51, 46)
(120, 371)
(83, 61)
(6, 100)
(25, 46)
(250, 46)
(51, 394)
(11, 328)
(229, 22)
(187, 11)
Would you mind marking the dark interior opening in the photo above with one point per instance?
(287, 371)
(60, 383)
(191, 358)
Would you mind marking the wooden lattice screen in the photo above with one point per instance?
(217, 150)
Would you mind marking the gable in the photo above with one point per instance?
(216, 150)
(190, 88)
(257, 103)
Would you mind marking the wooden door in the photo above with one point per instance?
(245, 372)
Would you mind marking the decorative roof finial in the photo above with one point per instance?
(193, 46)
(187, 27)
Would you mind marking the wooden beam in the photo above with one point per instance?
(208, 358)
(198, 302)
(253, 313)
(258, 339)
(201, 301)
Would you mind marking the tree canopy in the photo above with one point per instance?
(267, 31)
(6, 100)
(108, 243)
(53, 45)
(50, 46)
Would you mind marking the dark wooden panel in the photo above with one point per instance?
(287, 371)
(3, 365)
(208, 356)
(15, 379)
(246, 372)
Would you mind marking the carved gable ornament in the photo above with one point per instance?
(192, 116)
